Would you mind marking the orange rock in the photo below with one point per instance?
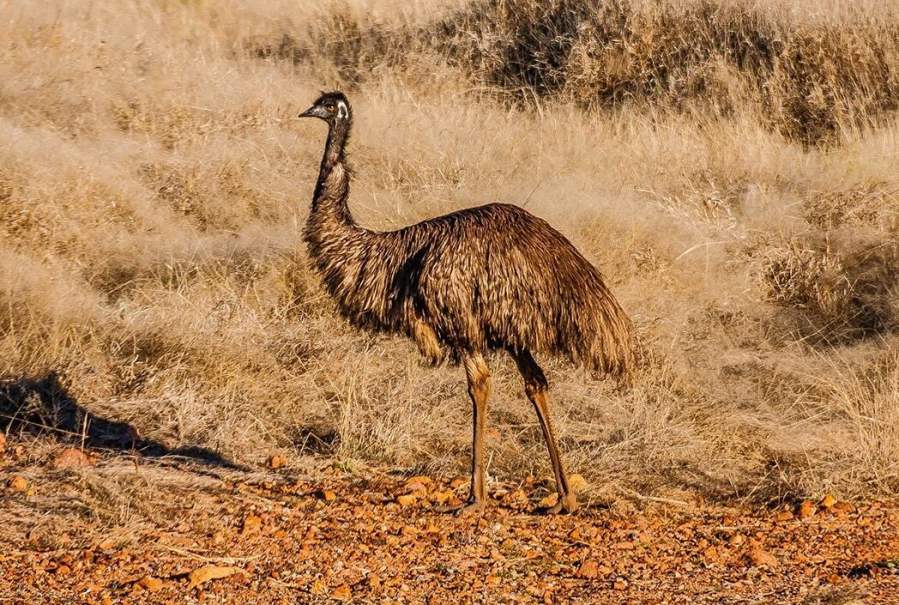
(327, 495)
(784, 515)
(251, 525)
(828, 501)
(2, 443)
(549, 501)
(760, 557)
(711, 554)
(806, 509)
(18, 484)
(589, 569)
(72, 458)
(342, 593)
(843, 507)
(406, 500)
(620, 584)
(459, 482)
(277, 461)
(151, 584)
(736, 540)
(418, 482)
(442, 497)
(206, 573)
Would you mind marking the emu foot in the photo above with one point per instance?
(471, 507)
(565, 504)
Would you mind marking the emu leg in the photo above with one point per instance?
(536, 388)
(478, 375)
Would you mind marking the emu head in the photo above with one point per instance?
(331, 107)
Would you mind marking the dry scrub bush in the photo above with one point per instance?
(809, 79)
(153, 187)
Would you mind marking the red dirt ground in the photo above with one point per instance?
(123, 529)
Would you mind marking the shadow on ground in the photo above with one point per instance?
(41, 406)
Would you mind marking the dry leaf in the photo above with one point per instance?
(210, 572)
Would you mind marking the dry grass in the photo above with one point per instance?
(153, 186)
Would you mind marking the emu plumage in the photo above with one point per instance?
(492, 277)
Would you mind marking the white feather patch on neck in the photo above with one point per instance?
(342, 111)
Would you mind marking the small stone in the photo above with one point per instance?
(418, 482)
(549, 501)
(251, 525)
(63, 570)
(442, 497)
(374, 581)
(2, 443)
(277, 461)
(736, 540)
(806, 509)
(589, 569)
(620, 584)
(342, 593)
(72, 458)
(843, 507)
(784, 515)
(828, 501)
(327, 495)
(18, 484)
(151, 584)
(406, 500)
(760, 557)
(458, 482)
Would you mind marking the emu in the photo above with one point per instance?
(487, 278)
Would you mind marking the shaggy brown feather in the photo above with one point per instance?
(483, 278)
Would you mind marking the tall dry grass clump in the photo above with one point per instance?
(154, 184)
(808, 79)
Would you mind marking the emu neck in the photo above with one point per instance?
(329, 204)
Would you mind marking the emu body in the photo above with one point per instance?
(492, 277)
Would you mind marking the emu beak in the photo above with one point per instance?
(310, 113)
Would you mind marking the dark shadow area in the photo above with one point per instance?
(39, 406)
(315, 439)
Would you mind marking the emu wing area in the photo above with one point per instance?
(496, 276)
